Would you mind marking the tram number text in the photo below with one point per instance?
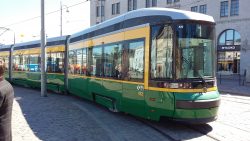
(140, 88)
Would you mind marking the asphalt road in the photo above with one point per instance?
(67, 118)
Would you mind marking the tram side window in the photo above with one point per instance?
(21, 62)
(78, 65)
(112, 61)
(5, 62)
(161, 52)
(84, 61)
(34, 63)
(72, 61)
(60, 62)
(133, 61)
(55, 62)
(26, 62)
(15, 62)
(96, 62)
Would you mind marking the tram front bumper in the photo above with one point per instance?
(199, 111)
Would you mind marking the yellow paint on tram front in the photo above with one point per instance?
(146, 58)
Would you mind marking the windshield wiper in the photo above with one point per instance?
(204, 83)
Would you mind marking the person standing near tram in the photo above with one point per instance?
(6, 102)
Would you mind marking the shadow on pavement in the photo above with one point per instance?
(68, 118)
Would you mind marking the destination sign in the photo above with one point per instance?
(229, 48)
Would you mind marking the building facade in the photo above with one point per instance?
(232, 25)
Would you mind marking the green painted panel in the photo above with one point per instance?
(19, 75)
(159, 104)
(36, 76)
(20, 78)
(196, 113)
(197, 96)
(95, 86)
(55, 79)
(107, 102)
(133, 100)
(79, 86)
(55, 82)
(113, 90)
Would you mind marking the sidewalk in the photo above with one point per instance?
(232, 86)
(53, 118)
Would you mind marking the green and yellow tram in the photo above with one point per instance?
(5, 52)
(27, 60)
(152, 63)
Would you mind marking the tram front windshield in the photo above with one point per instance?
(195, 51)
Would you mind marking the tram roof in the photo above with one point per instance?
(56, 40)
(59, 38)
(173, 14)
(4, 47)
(29, 44)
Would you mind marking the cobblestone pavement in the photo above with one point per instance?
(67, 118)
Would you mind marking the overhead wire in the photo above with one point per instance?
(30, 19)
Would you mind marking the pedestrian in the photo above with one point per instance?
(6, 102)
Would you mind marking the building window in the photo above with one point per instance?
(116, 8)
(154, 3)
(151, 3)
(169, 1)
(234, 10)
(102, 10)
(98, 11)
(203, 9)
(194, 8)
(113, 9)
(147, 3)
(132, 5)
(224, 9)
(129, 5)
(230, 37)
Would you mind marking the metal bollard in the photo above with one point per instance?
(239, 79)
(220, 78)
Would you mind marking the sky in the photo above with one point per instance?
(22, 17)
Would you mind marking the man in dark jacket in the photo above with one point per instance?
(6, 102)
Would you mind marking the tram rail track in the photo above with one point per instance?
(201, 132)
(154, 127)
(171, 137)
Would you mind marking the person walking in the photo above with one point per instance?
(6, 102)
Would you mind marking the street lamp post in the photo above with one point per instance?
(61, 8)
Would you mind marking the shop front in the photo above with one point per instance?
(228, 52)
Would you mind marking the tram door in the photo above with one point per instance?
(133, 70)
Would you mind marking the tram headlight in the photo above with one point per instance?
(185, 85)
(180, 85)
